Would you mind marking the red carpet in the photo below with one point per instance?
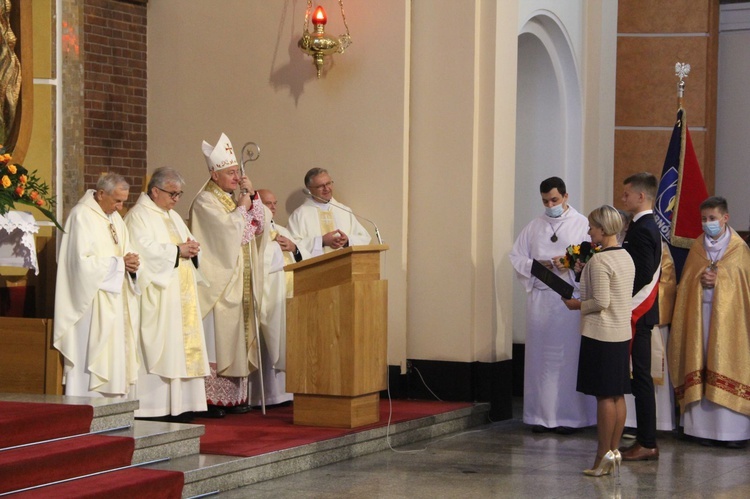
(38, 464)
(123, 484)
(253, 434)
(22, 423)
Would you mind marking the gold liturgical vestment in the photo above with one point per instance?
(723, 374)
(230, 267)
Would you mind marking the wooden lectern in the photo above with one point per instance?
(336, 335)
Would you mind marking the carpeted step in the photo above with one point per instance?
(23, 423)
(27, 466)
(121, 484)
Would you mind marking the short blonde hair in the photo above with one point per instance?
(607, 218)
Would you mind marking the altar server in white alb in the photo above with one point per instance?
(174, 358)
(96, 308)
(322, 224)
(281, 250)
(553, 340)
(227, 230)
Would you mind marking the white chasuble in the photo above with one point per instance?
(232, 269)
(172, 339)
(96, 311)
(276, 290)
(305, 225)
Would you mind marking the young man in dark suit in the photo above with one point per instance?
(643, 242)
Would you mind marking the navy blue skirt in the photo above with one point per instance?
(603, 367)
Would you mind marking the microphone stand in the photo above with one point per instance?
(377, 232)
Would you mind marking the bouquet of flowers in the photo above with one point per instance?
(578, 253)
(17, 185)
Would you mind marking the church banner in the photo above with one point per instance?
(681, 189)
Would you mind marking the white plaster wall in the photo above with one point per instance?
(733, 108)
(233, 66)
(565, 123)
(416, 123)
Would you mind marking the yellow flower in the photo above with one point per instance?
(577, 249)
(5, 181)
(12, 169)
(5, 157)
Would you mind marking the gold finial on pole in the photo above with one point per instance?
(681, 70)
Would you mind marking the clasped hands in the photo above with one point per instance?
(189, 248)
(335, 239)
(132, 262)
(285, 243)
(708, 279)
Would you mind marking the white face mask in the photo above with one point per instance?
(712, 228)
(554, 211)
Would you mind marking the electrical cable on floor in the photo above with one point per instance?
(390, 414)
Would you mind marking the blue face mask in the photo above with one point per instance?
(554, 211)
(712, 228)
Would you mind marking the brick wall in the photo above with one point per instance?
(115, 72)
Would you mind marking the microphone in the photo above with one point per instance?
(377, 232)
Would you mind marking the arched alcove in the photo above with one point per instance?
(548, 126)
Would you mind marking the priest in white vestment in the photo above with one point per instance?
(174, 359)
(281, 250)
(322, 224)
(550, 399)
(227, 230)
(96, 310)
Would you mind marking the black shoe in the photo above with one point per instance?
(537, 428)
(238, 409)
(185, 418)
(213, 412)
(565, 430)
(736, 444)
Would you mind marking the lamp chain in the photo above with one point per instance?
(344, 40)
(307, 16)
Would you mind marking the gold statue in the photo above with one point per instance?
(10, 74)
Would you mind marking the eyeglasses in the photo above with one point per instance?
(174, 195)
(328, 184)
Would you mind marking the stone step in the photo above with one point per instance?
(156, 440)
(206, 474)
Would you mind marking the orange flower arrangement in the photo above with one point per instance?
(17, 185)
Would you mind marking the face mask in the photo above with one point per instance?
(712, 228)
(554, 211)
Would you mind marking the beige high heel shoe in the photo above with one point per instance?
(605, 466)
(618, 461)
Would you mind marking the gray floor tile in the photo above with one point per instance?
(505, 459)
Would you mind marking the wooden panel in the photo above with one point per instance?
(23, 350)
(357, 263)
(664, 16)
(339, 412)
(336, 340)
(645, 150)
(647, 86)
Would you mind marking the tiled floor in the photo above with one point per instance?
(506, 460)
